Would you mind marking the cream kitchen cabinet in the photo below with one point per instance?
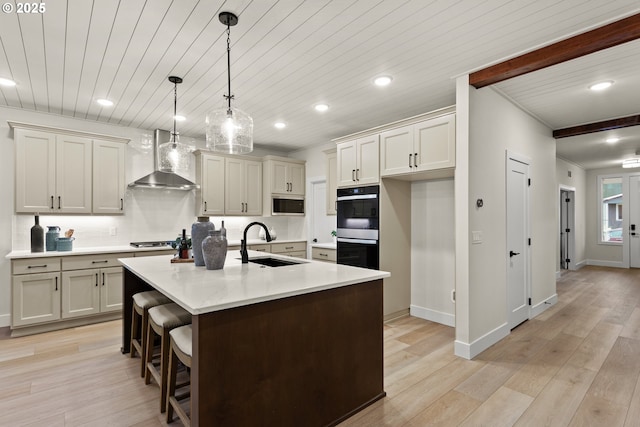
(358, 162)
(323, 254)
(210, 176)
(86, 292)
(332, 176)
(55, 171)
(243, 187)
(425, 146)
(293, 249)
(108, 177)
(36, 289)
(282, 175)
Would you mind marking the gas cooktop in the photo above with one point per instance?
(156, 244)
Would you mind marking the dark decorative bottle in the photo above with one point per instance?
(183, 250)
(37, 236)
(223, 231)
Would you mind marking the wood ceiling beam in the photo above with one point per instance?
(610, 35)
(621, 122)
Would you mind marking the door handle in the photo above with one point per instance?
(511, 253)
(96, 279)
(415, 159)
(353, 174)
(410, 156)
(102, 279)
(205, 206)
(59, 199)
(357, 174)
(51, 202)
(121, 204)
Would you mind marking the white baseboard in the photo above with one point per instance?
(601, 263)
(581, 264)
(469, 351)
(433, 315)
(5, 320)
(542, 306)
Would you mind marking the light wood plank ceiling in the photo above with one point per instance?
(287, 55)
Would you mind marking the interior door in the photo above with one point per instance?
(634, 221)
(517, 245)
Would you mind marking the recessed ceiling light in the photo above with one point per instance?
(601, 85)
(612, 140)
(382, 80)
(105, 102)
(280, 125)
(7, 82)
(180, 118)
(321, 107)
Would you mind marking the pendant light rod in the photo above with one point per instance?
(230, 20)
(175, 80)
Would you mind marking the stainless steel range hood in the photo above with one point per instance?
(159, 179)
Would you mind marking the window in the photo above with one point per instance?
(611, 205)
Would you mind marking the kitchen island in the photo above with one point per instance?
(290, 345)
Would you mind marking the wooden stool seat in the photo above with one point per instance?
(142, 302)
(179, 349)
(162, 319)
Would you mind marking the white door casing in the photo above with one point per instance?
(517, 240)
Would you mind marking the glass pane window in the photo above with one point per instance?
(611, 204)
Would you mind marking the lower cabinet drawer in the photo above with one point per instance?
(81, 262)
(278, 248)
(297, 254)
(322, 254)
(35, 265)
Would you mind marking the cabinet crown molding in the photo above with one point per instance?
(90, 135)
(399, 123)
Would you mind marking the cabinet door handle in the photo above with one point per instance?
(357, 174)
(100, 262)
(51, 202)
(121, 204)
(59, 198)
(103, 279)
(410, 156)
(205, 206)
(321, 254)
(56, 283)
(415, 159)
(37, 266)
(96, 279)
(353, 174)
(288, 247)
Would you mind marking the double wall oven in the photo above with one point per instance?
(357, 217)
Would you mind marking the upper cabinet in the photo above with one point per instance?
(424, 146)
(108, 177)
(62, 171)
(284, 176)
(358, 162)
(243, 187)
(229, 185)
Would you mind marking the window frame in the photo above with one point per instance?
(619, 206)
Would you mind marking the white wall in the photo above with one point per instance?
(150, 214)
(496, 125)
(433, 250)
(577, 180)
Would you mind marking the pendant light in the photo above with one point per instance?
(172, 155)
(229, 130)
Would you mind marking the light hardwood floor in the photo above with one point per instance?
(576, 364)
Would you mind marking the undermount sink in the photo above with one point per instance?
(273, 262)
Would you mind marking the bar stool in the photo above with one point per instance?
(179, 350)
(162, 319)
(142, 302)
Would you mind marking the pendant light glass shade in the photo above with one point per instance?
(174, 156)
(229, 130)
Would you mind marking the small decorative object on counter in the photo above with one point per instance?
(37, 236)
(64, 243)
(272, 232)
(334, 235)
(183, 250)
(223, 230)
(199, 231)
(214, 250)
(52, 234)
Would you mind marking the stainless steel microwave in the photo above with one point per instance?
(287, 205)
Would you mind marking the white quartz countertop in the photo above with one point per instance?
(123, 249)
(199, 290)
